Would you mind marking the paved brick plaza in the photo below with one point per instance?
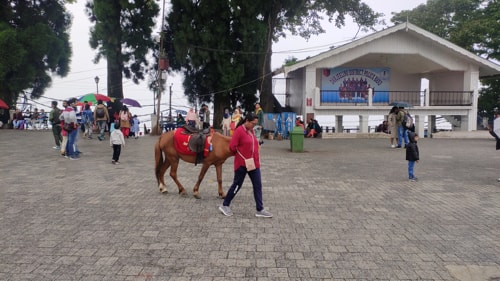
(344, 210)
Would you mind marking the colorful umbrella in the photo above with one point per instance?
(131, 102)
(3, 104)
(81, 103)
(94, 98)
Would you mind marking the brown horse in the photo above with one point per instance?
(166, 155)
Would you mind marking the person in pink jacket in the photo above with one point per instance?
(245, 147)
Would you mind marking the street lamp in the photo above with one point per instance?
(96, 79)
(155, 90)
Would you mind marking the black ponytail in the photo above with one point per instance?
(249, 117)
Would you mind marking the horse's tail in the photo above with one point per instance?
(158, 159)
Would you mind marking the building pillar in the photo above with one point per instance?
(363, 123)
(339, 126)
(465, 124)
(419, 125)
(431, 124)
(471, 78)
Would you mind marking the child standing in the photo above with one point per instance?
(116, 140)
(412, 154)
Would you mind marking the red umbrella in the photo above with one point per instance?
(3, 104)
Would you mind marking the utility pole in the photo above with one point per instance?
(170, 104)
(155, 89)
(162, 65)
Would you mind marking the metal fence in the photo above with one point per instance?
(416, 98)
(450, 98)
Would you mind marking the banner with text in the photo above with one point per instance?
(350, 85)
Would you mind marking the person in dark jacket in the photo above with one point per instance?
(491, 129)
(412, 154)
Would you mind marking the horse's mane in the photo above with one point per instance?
(221, 136)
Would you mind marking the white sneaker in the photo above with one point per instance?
(225, 210)
(393, 146)
(263, 214)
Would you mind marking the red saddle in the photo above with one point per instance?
(181, 142)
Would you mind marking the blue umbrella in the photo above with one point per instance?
(401, 104)
(183, 112)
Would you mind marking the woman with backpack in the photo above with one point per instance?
(101, 117)
(125, 117)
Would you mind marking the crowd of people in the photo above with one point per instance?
(230, 120)
(77, 120)
(36, 120)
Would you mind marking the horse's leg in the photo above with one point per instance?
(196, 188)
(163, 169)
(173, 175)
(218, 169)
(161, 166)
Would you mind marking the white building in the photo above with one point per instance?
(364, 77)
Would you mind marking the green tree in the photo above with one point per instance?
(122, 34)
(472, 25)
(226, 45)
(215, 45)
(489, 99)
(304, 18)
(34, 44)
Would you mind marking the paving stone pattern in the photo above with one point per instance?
(343, 210)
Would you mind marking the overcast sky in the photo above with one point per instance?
(80, 80)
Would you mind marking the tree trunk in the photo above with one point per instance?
(221, 101)
(113, 52)
(265, 87)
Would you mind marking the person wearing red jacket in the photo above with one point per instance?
(245, 147)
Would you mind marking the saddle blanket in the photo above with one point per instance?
(181, 142)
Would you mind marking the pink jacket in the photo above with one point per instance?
(242, 141)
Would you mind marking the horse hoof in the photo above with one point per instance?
(183, 193)
(163, 190)
(197, 196)
(222, 196)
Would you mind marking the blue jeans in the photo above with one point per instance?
(239, 176)
(402, 133)
(411, 165)
(102, 127)
(18, 123)
(70, 146)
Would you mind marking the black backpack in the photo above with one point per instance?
(99, 112)
(408, 120)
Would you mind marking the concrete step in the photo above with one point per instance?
(354, 135)
(479, 134)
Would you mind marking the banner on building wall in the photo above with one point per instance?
(350, 85)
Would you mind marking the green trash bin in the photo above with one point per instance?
(297, 139)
